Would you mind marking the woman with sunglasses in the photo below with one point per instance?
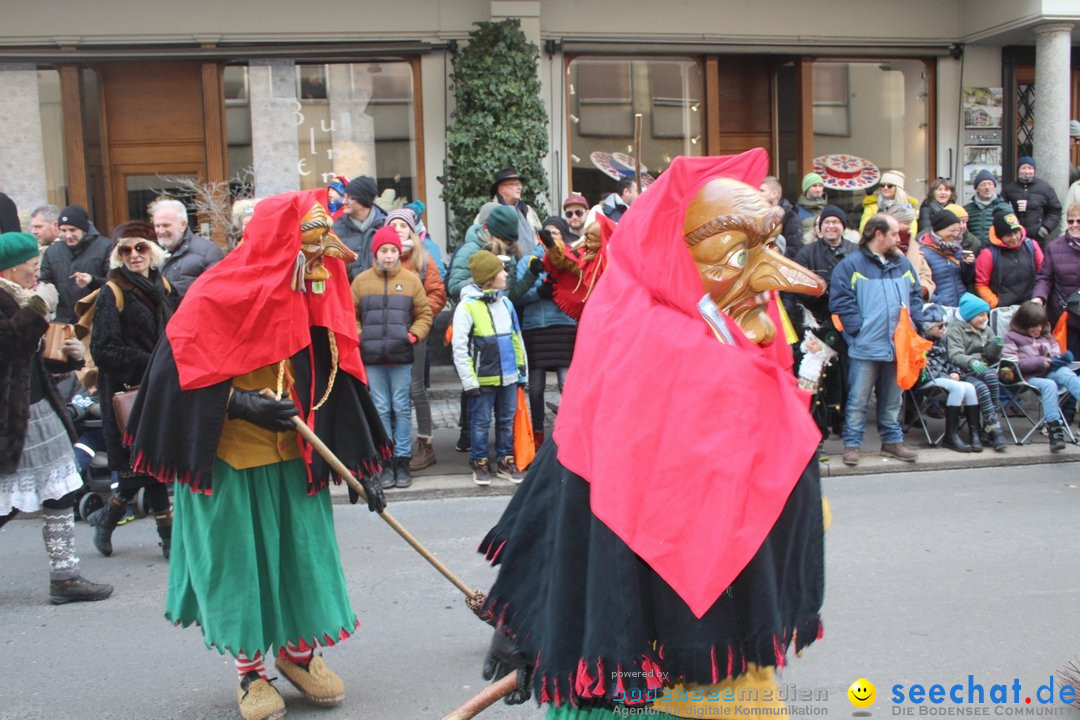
(121, 343)
(1059, 277)
(891, 199)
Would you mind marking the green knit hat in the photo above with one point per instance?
(16, 248)
(484, 266)
(811, 179)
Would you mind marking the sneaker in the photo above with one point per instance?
(258, 699)
(507, 469)
(481, 473)
(900, 451)
(850, 456)
(77, 589)
(316, 682)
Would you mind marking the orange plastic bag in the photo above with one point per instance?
(1061, 331)
(911, 351)
(524, 449)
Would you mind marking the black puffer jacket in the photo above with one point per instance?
(90, 255)
(121, 345)
(1043, 212)
(820, 259)
(20, 336)
(188, 260)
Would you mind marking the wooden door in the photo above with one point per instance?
(161, 122)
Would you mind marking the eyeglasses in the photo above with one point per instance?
(141, 248)
(1073, 221)
(574, 213)
(887, 186)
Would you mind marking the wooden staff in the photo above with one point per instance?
(485, 698)
(637, 150)
(473, 598)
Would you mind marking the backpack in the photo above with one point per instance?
(87, 306)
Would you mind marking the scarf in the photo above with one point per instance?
(895, 205)
(17, 292)
(152, 291)
(814, 206)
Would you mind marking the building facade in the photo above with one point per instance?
(110, 104)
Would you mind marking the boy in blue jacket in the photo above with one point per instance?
(489, 355)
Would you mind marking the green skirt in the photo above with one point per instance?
(256, 564)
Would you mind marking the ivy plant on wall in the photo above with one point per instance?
(499, 121)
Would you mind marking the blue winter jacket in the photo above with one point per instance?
(538, 312)
(867, 292)
(950, 276)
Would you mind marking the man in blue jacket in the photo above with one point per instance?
(866, 291)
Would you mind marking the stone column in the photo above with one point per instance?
(22, 151)
(274, 119)
(352, 128)
(1052, 47)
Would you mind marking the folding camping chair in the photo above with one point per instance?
(1011, 379)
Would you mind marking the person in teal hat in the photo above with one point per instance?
(812, 200)
(37, 463)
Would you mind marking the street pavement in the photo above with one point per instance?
(930, 576)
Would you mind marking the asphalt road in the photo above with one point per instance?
(930, 577)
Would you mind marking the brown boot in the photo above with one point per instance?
(850, 456)
(900, 451)
(424, 455)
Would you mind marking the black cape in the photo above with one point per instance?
(583, 607)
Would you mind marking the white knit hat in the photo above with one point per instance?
(893, 177)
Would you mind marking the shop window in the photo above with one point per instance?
(52, 136)
(605, 93)
(349, 119)
(877, 111)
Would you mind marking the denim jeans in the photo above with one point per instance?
(1049, 387)
(503, 401)
(390, 393)
(865, 376)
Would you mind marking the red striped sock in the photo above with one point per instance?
(244, 665)
(298, 656)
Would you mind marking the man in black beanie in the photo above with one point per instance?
(361, 219)
(821, 257)
(78, 265)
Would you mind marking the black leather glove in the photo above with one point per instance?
(546, 239)
(502, 658)
(536, 265)
(376, 500)
(472, 392)
(546, 291)
(262, 411)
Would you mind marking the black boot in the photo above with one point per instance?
(164, 531)
(1057, 435)
(952, 439)
(104, 520)
(386, 477)
(974, 421)
(996, 437)
(404, 473)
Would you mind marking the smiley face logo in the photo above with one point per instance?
(862, 693)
